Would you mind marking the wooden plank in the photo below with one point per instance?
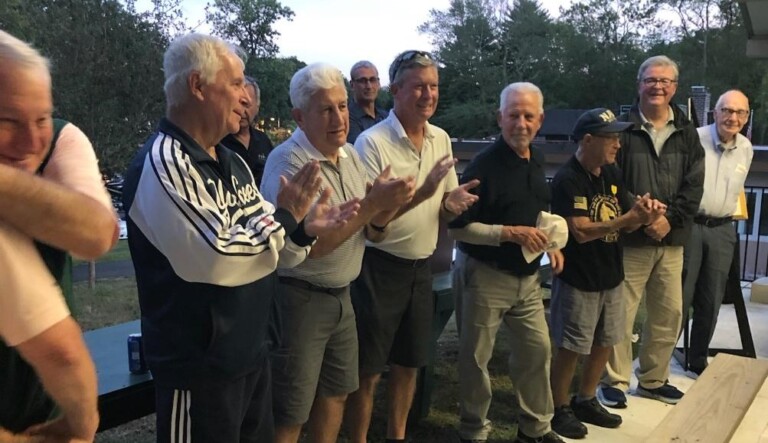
(713, 408)
(754, 423)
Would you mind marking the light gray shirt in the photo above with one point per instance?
(725, 171)
(347, 179)
(659, 136)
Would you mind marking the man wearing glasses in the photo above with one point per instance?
(363, 112)
(661, 155)
(393, 297)
(727, 157)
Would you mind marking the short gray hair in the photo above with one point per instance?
(250, 81)
(520, 88)
(359, 65)
(18, 54)
(310, 79)
(193, 53)
(657, 60)
(408, 60)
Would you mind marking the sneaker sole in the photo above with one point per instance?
(602, 425)
(608, 403)
(670, 401)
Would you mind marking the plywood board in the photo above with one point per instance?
(713, 408)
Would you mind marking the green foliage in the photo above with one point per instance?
(273, 74)
(248, 23)
(105, 64)
(587, 57)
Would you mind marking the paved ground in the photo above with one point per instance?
(112, 269)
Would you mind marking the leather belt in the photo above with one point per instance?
(303, 284)
(395, 259)
(712, 222)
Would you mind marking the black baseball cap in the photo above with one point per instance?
(598, 120)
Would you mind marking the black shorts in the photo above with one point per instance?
(394, 305)
(231, 411)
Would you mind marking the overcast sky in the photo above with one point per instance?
(342, 32)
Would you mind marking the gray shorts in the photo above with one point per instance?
(318, 354)
(582, 319)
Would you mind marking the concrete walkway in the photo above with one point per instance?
(642, 415)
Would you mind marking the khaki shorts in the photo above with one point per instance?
(318, 353)
(582, 319)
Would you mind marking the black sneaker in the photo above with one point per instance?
(611, 397)
(467, 440)
(549, 437)
(566, 424)
(665, 393)
(590, 411)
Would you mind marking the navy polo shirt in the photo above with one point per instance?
(512, 191)
(359, 121)
(255, 155)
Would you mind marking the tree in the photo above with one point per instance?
(249, 23)
(106, 68)
(471, 77)
(274, 77)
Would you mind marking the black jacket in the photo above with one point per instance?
(676, 177)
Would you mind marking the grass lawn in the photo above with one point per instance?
(115, 301)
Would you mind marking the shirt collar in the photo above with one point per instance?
(300, 138)
(728, 146)
(648, 125)
(398, 127)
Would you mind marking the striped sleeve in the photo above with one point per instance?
(193, 229)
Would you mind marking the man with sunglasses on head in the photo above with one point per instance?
(248, 142)
(363, 112)
(727, 157)
(661, 155)
(393, 297)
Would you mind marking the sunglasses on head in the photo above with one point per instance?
(403, 58)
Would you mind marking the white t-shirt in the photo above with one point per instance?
(30, 299)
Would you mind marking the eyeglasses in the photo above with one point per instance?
(405, 57)
(664, 82)
(364, 80)
(741, 113)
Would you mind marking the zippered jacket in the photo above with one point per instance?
(205, 246)
(675, 177)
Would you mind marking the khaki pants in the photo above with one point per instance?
(488, 297)
(657, 272)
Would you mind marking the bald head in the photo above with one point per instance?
(731, 114)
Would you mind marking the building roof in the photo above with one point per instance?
(755, 13)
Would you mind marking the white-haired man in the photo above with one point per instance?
(706, 262)
(494, 282)
(50, 192)
(316, 366)
(205, 245)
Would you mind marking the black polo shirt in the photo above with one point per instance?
(512, 191)
(595, 265)
(359, 121)
(256, 153)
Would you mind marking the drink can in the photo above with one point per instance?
(136, 362)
